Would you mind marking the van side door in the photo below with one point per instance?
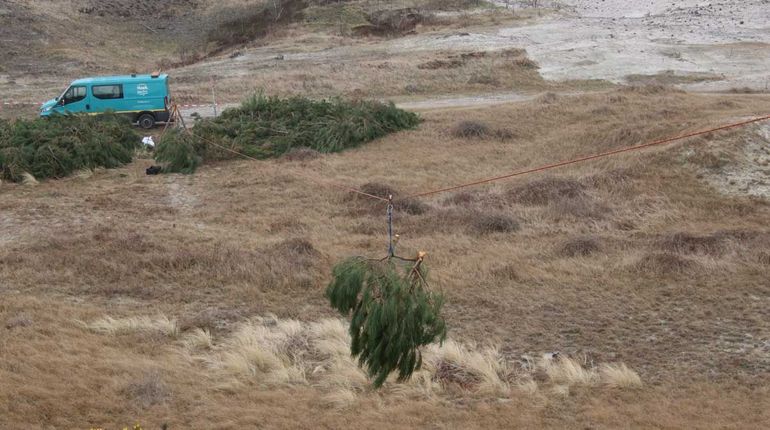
(75, 100)
(107, 97)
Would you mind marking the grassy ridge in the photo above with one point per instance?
(265, 127)
(56, 147)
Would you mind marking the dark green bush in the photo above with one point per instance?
(55, 147)
(392, 315)
(266, 127)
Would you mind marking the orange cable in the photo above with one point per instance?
(589, 157)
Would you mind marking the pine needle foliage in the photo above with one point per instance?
(60, 145)
(176, 152)
(266, 127)
(392, 315)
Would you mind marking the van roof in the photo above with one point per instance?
(118, 79)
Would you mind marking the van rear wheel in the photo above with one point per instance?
(146, 121)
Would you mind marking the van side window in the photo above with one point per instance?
(74, 94)
(107, 92)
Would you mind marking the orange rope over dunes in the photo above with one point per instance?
(589, 157)
(514, 174)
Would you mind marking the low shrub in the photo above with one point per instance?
(265, 127)
(378, 189)
(58, 146)
(664, 263)
(686, 243)
(579, 247)
(543, 191)
(493, 223)
(463, 198)
(579, 208)
(406, 205)
(295, 248)
(471, 129)
(410, 206)
(148, 391)
(548, 98)
(480, 130)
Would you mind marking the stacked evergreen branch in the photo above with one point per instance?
(60, 145)
(265, 127)
(177, 151)
(392, 315)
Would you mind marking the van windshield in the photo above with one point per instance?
(61, 96)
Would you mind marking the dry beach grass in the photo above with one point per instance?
(198, 300)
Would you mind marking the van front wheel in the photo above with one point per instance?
(146, 121)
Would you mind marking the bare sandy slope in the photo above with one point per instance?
(613, 39)
(695, 45)
(724, 44)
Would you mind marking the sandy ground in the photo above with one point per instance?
(727, 40)
(749, 173)
(612, 39)
(699, 46)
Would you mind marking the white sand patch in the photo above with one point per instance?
(748, 173)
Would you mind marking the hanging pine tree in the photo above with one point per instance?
(392, 314)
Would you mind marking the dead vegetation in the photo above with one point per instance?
(291, 264)
(244, 23)
(280, 353)
(172, 276)
(580, 247)
(486, 223)
(669, 77)
(147, 391)
(390, 22)
(547, 190)
(405, 205)
(301, 154)
(336, 72)
(19, 320)
(665, 264)
(470, 129)
(686, 243)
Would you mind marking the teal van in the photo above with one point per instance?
(144, 98)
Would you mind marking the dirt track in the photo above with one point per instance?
(417, 105)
